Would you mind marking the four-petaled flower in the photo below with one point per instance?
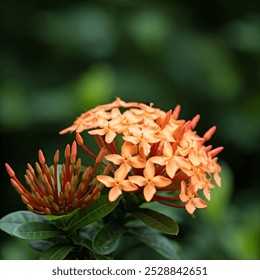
(150, 181)
(190, 198)
(172, 160)
(118, 183)
(128, 152)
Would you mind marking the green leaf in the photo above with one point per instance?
(102, 258)
(156, 241)
(63, 221)
(56, 252)
(107, 239)
(96, 211)
(89, 231)
(157, 221)
(36, 230)
(79, 240)
(40, 245)
(9, 222)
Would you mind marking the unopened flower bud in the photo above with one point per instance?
(101, 155)
(209, 133)
(56, 157)
(24, 199)
(67, 151)
(16, 186)
(41, 157)
(9, 170)
(79, 139)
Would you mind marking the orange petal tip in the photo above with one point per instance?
(41, 157)
(9, 170)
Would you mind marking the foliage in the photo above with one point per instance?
(61, 59)
(87, 237)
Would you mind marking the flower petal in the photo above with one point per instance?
(122, 171)
(206, 192)
(194, 159)
(106, 180)
(110, 136)
(171, 168)
(167, 149)
(199, 203)
(144, 148)
(115, 158)
(126, 149)
(183, 163)
(161, 181)
(217, 179)
(149, 191)
(137, 162)
(139, 180)
(131, 139)
(149, 170)
(190, 207)
(101, 131)
(158, 160)
(128, 186)
(183, 196)
(114, 193)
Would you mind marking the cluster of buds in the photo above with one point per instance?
(59, 189)
(151, 152)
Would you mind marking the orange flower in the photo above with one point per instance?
(144, 137)
(172, 160)
(158, 153)
(188, 195)
(128, 151)
(118, 183)
(109, 129)
(150, 181)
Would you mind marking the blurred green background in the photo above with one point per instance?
(60, 58)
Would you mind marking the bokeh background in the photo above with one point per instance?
(60, 58)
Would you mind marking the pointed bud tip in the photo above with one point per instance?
(56, 157)
(67, 151)
(207, 136)
(74, 148)
(79, 139)
(41, 157)
(215, 151)
(195, 121)
(73, 152)
(101, 155)
(176, 112)
(9, 170)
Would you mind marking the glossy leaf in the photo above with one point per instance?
(78, 240)
(40, 245)
(36, 230)
(156, 241)
(56, 252)
(107, 239)
(99, 209)
(89, 231)
(9, 222)
(63, 221)
(157, 221)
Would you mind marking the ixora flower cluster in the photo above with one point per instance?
(142, 149)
